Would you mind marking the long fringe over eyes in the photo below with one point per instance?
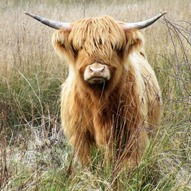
(102, 35)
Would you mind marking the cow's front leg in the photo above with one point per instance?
(81, 146)
(138, 142)
(104, 142)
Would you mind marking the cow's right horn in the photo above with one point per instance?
(142, 24)
(51, 23)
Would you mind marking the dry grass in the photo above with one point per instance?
(33, 153)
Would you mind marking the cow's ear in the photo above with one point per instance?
(134, 40)
(62, 44)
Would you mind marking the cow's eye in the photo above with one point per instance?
(113, 47)
(74, 51)
(117, 49)
(100, 41)
(120, 52)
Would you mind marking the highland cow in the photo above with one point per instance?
(111, 98)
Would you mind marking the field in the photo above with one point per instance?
(34, 155)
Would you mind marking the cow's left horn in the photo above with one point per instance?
(51, 23)
(142, 24)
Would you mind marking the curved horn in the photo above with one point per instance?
(51, 23)
(142, 24)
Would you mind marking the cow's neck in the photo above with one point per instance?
(101, 100)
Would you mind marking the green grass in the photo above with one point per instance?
(34, 155)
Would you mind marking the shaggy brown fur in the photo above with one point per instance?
(117, 116)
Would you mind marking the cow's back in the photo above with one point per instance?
(152, 93)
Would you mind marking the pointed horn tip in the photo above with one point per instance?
(163, 13)
(30, 14)
(26, 13)
(50, 23)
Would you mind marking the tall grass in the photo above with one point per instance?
(34, 155)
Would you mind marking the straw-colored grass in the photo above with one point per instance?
(34, 155)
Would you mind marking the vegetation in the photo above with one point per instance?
(34, 155)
